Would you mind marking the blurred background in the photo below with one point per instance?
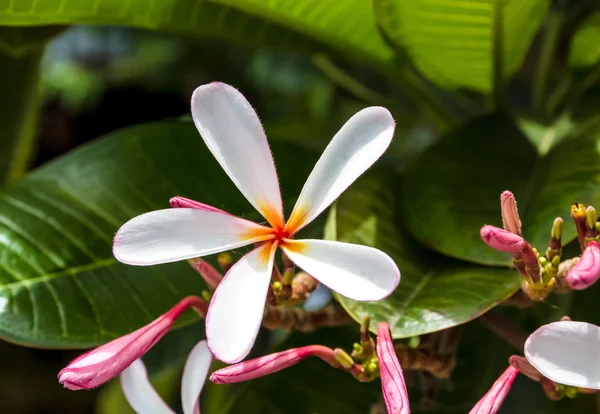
(97, 79)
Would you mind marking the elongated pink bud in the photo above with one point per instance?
(268, 364)
(510, 214)
(502, 240)
(392, 378)
(101, 364)
(211, 276)
(182, 202)
(585, 273)
(493, 399)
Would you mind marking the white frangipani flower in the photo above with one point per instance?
(233, 133)
(567, 352)
(144, 399)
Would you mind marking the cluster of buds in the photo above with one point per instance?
(287, 289)
(367, 361)
(544, 274)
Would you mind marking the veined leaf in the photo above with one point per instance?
(349, 25)
(452, 42)
(210, 18)
(60, 285)
(435, 292)
(454, 188)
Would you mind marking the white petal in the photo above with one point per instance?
(358, 272)
(140, 393)
(175, 234)
(236, 310)
(233, 133)
(194, 375)
(360, 142)
(567, 352)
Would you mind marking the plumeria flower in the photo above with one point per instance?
(567, 353)
(104, 363)
(392, 378)
(233, 133)
(144, 399)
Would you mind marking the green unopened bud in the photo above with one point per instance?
(343, 358)
(414, 342)
(277, 287)
(225, 261)
(288, 276)
(557, 228)
(372, 367)
(543, 261)
(206, 295)
(590, 217)
(570, 392)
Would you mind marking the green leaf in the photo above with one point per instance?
(187, 17)
(60, 285)
(452, 42)
(20, 54)
(349, 25)
(454, 187)
(584, 47)
(435, 292)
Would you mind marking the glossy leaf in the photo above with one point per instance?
(349, 25)
(584, 46)
(435, 292)
(452, 42)
(60, 285)
(454, 187)
(273, 24)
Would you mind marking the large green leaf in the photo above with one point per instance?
(346, 26)
(435, 292)
(59, 283)
(452, 42)
(584, 47)
(20, 54)
(454, 187)
(349, 24)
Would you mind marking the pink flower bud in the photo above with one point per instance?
(493, 399)
(182, 202)
(392, 378)
(510, 214)
(211, 276)
(502, 240)
(268, 364)
(522, 365)
(586, 271)
(101, 364)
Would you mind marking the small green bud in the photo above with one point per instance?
(372, 367)
(206, 295)
(543, 261)
(343, 358)
(570, 392)
(288, 276)
(277, 287)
